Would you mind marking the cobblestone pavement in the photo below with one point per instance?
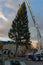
(34, 62)
(29, 62)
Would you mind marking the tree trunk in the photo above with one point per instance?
(16, 50)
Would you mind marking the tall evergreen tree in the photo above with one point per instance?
(20, 31)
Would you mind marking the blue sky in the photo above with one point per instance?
(8, 10)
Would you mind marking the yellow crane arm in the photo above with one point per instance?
(35, 24)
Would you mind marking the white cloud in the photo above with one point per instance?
(3, 17)
(10, 6)
(1, 26)
(4, 28)
(2, 0)
(13, 4)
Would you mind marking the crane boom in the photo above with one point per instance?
(35, 24)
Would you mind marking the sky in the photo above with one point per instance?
(8, 10)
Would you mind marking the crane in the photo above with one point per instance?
(35, 24)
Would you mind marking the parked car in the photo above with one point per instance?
(39, 54)
(36, 56)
